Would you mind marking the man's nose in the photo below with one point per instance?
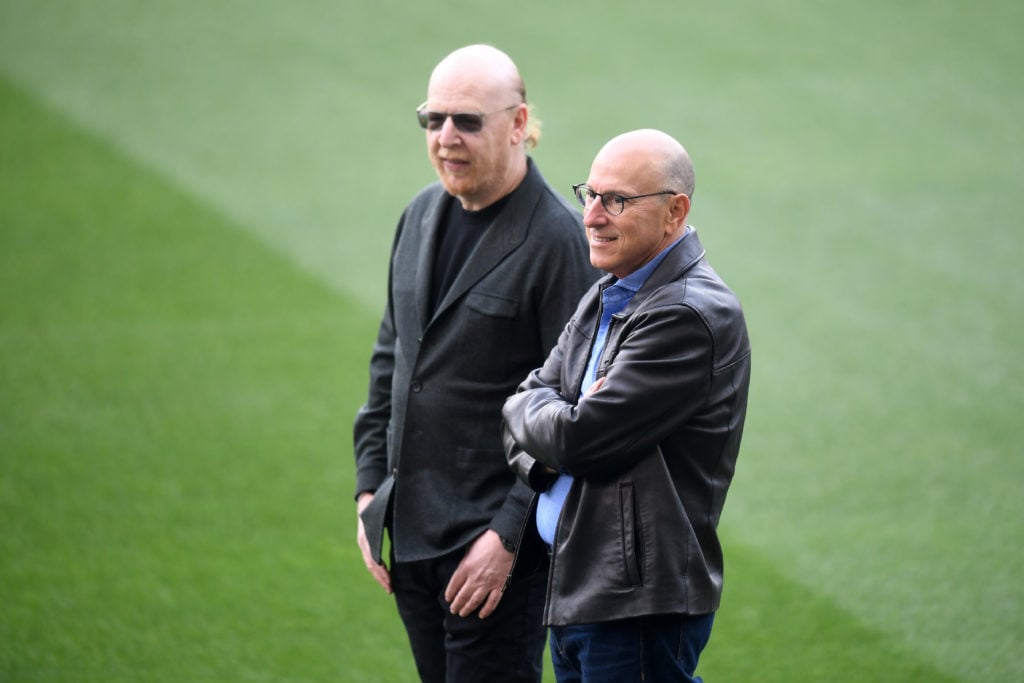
(595, 212)
(448, 134)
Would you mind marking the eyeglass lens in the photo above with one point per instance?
(465, 123)
(613, 203)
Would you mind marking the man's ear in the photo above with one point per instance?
(680, 208)
(519, 124)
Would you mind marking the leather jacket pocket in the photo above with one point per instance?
(632, 539)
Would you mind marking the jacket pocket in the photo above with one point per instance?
(486, 337)
(632, 539)
(492, 305)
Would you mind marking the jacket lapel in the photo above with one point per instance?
(500, 238)
(425, 265)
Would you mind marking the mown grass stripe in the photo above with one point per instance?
(175, 500)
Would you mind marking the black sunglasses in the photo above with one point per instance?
(464, 122)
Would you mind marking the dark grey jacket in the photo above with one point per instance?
(429, 436)
(652, 452)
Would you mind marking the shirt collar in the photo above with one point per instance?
(635, 280)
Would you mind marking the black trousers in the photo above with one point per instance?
(507, 646)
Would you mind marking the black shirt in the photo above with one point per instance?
(461, 230)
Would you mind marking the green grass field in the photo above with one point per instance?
(196, 205)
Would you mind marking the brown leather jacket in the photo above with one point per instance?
(653, 451)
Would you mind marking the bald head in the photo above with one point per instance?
(648, 178)
(478, 126)
(490, 68)
(652, 154)
(484, 74)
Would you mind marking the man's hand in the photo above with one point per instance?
(479, 579)
(378, 571)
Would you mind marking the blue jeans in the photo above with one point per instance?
(654, 648)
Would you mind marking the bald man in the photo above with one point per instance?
(486, 267)
(630, 430)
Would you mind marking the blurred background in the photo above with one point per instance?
(197, 201)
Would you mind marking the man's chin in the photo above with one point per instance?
(457, 187)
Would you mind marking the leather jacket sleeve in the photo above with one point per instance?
(659, 369)
(535, 474)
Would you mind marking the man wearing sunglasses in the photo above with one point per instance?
(630, 430)
(486, 268)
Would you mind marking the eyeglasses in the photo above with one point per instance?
(613, 203)
(464, 122)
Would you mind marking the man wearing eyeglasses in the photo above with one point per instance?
(629, 431)
(486, 267)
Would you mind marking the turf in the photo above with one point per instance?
(196, 202)
(171, 506)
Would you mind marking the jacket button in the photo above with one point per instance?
(416, 387)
